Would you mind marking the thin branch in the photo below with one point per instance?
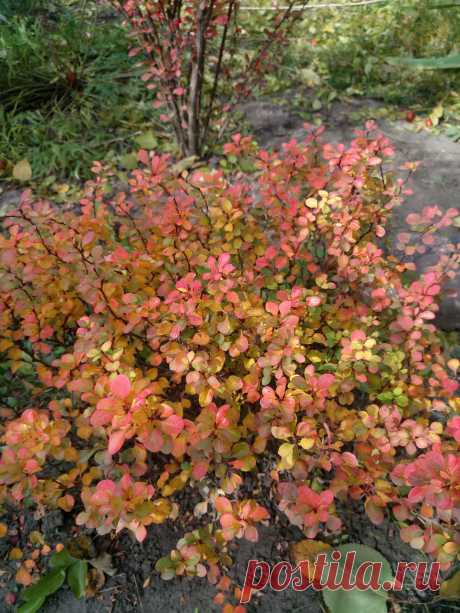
(196, 78)
(288, 10)
(218, 69)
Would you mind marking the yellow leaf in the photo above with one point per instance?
(450, 547)
(61, 188)
(5, 344)
(453, 364)
(16, 554)
(15, 353)
(286, 451)
(307, 551)
(309, 77)
(66, 503)
(436, 114)
(22, 171)
(450, 589)
(307, 443)
(184, 164)
(36, 538)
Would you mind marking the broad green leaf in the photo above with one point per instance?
(22, 171)
(32, 606)
(370, 601)
(47, 585)
(429, 63)
(63, 559)
(147, 140)
(76, 578)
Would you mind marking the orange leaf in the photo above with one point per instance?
(23, 577)
(307, 551)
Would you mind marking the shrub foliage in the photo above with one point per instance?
(201, 327)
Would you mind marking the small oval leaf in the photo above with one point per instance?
(22, 171)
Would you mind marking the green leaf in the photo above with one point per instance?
(164, 564)
(429, 63)
(370, 601)
(147, 140)
(47, 585)
(32, 606)
(63, 559)
(129, 161)
(385, 396)
(76, 578)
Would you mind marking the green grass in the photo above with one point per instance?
(353, 46)
(343, 52)
(69, 94)
(13, 8)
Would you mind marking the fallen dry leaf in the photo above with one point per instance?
(307, 550)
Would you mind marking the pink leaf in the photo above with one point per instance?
(154, 441)
(120, 386)
(200, 469)
(173, 425)
(326, 380)
(116, 441)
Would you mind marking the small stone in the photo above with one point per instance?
(53, 520)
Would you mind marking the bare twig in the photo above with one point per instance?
(223, 41)
(196, 79)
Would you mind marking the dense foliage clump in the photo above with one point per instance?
(196, 325)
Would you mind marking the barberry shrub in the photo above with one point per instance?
(197, 62)
(198, 329)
